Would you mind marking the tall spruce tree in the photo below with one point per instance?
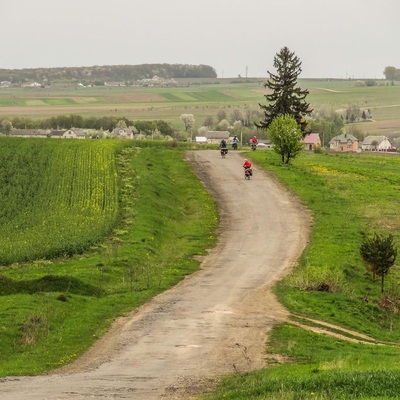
(286, 97)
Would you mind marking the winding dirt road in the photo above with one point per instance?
(214, 322)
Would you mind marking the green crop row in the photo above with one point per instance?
(56, 197)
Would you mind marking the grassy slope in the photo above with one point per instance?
(51, 311)
(348, 195)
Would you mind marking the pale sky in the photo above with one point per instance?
(332, 38)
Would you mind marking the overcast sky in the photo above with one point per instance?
(332, 38)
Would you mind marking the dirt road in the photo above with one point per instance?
(214, 322)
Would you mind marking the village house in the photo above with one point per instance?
(377, 143)
(213, 137)
(74, 133)
(311, 141)
(344, 142)
(55, 134)
(122, 133)
(201, 139)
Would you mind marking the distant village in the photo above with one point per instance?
(341, 143)
(345, 143)
(151, 82)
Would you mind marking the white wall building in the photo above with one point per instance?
(376, 143)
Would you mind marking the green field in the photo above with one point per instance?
(201, 100)
(89, 231)
(348, 195)
(42, 184)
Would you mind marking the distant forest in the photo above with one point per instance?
(97, 75)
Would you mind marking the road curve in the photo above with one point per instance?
(212, 323)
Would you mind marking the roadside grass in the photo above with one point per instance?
(51, 311)
(348, 195)
(315, 366)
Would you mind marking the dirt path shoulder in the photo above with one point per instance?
(214, 322)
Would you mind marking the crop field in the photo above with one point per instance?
(201, 100)
(55, 198)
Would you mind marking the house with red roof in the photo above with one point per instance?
(311, 141)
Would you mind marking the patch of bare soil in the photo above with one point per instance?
(215, 322)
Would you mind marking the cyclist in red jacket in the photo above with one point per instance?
(247, 164)
(254, 142)
(248, 172)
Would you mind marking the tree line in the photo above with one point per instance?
(106, 73)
